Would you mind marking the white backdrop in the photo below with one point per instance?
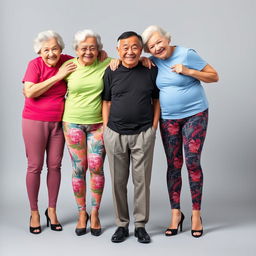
(222, 32)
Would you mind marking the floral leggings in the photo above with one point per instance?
(190, 132)
(87, 151)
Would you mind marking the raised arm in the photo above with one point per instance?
(102, 55)
(32, 90)
(208, 74)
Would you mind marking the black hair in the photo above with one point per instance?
(128, 34)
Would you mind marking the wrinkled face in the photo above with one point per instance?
(158, 46)
(87, 51)
(129, 51)
(50, 52)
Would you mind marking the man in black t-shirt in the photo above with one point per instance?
(130, 115)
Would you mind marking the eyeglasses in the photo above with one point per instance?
(89, 48)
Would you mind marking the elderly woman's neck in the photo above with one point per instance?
(170, 51)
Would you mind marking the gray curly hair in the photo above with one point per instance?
(45, 36)
(147, 33)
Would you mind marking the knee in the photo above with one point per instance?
(97, 182)
(193, 163)
(95, 163)
(54, 165)
(35, 168)
(196, 175)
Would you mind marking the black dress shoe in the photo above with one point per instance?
(142, 235)
(120, 234)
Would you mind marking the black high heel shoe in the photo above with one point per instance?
(54, 227)
(174, 231)
(193, 231)
(95, 231)
(82, 231)
(33, 229)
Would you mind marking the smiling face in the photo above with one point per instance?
(87, 51)
(158, 46)
(50, 52)
(129, 51)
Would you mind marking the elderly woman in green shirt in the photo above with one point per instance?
(83, 129)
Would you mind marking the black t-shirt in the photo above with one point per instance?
(130, 91)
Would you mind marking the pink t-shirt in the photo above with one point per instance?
(50, 105)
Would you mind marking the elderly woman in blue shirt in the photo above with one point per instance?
(184, 117)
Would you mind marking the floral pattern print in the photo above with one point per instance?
(87, 151)
(189, 132)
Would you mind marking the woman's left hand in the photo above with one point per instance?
(180, 69)
(102, 55)
(114, 64)
(208, 74)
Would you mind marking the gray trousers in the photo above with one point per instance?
(121, 150)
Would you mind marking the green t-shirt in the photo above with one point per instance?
(83, 102)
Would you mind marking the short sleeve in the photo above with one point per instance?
(32, 73)
(106, 94)
(65, 57)
(155, 94)
(195, 61)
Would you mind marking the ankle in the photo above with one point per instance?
(95, 213)
(51, 210)
(196, 214)
(176, 212)
(82, 214)
(35, 214)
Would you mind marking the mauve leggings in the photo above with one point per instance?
(43, 137)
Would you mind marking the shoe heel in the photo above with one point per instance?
(174, 231)
(54, 227)
(181, 221)
(47, 217)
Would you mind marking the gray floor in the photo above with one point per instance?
(229, 231)
(229, 217)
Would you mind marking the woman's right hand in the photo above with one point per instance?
(147, 62)
(66, 69)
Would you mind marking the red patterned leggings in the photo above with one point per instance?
(189, 132)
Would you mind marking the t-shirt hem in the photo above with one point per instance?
(131, 132)
(42, 119)
(75, 121)
(170, 117)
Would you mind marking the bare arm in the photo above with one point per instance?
(102, 55)
(32, 90)
(208, 74)
(156, 106)
(146, 62)
(105, 112)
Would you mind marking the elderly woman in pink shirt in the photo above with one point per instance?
(41, 122)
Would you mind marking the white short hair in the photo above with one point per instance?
(45, 36)
(147, 33)
(83, 35)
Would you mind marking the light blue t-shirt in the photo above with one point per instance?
(180, 96)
